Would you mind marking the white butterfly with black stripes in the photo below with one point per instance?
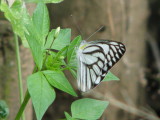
(95, 58)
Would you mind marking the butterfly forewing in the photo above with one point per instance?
(95, 59)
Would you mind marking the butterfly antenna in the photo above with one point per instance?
(78, 28)
(95, 32)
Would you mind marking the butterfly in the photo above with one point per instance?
(95, 59)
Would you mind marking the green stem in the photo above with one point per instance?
(26, 99)
(23, 106)
(19, 71)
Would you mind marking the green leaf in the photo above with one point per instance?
(18, 16)
(50, 65)
(71, 54)
(50, 38)
(4, 111)
(89, 109)
(35, 46)
(42, 94)
(55, 60)
(110, 77)
(36, 32)
(62, 52)
(45, 1)
(68, 117)
(61, 41)
(59, 81)
(41, 21)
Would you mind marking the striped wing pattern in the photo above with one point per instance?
(95, 59)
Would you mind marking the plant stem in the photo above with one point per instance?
(19, 71)
(23, 106)
(25, 101)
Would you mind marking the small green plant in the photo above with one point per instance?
(53, 52)
(4, 111)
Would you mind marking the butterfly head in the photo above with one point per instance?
(83, 45)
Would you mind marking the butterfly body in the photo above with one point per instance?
(95, 58)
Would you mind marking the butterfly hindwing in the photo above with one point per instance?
(95, 59)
